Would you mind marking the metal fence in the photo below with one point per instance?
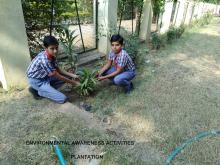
(43, 17)
(129, 13)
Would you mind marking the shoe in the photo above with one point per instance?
(85, 106)
(132, 86)
(34, 93)
(129, 88)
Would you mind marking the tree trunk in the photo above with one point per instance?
(138, 19)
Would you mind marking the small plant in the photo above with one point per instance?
(132, 44)
(88, 81)
(156, 41)
(203, 21)
(180, 30)
(175, 33)
(171, 34)
(67, 39)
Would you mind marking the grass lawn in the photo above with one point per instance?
(176, 96)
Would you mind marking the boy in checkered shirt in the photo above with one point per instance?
(44, 75)
(120, 68)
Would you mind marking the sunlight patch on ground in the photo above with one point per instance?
(210, 32)
(140, 129)
(205, 68)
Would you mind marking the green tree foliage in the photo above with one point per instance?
(211, 1)
(38, 14)
(158, 7)
(127, 7)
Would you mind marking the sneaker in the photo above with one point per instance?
(129, 88)
(132, 86)
(34, 93)
(85, 106)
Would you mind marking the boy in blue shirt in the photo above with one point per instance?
(120, 68)
(45, 76)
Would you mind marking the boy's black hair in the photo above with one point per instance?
(50, 40)
(117, 38)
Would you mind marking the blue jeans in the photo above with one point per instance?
(122, 79)
(47, 87)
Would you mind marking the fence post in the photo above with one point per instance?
(180, 14)
(146, 20)
(107, 21)
(13, 45)
(189, 13)
(165, 24)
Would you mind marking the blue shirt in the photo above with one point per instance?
(122, 60)
(41, 66)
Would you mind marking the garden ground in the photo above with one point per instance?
(176, 96)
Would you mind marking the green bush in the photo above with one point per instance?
(205, 20)
(180, 30)
(88, 81)
(171, 34)
(175, 33)
(156, 41)
(132, 45)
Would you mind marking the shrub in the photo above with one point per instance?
(132, 44)
(156, 41)
(175, 33)
(171, 34)
(204, 20)
(88, 81)
(180, 30)
(134, 49)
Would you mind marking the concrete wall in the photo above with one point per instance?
(210, 8)
(107, 21)
(217, 10)
(189, 13)
(180, 13)
(2, 76)
(196, 11)
(165, 24)
(201, 7)
(14, 53)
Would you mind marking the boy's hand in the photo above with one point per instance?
(75, 83)
(78, 83)
(76, 77)
(97, 75)
(70, 70)
(100, 78)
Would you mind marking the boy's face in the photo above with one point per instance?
(116, 47)
(52, 49)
